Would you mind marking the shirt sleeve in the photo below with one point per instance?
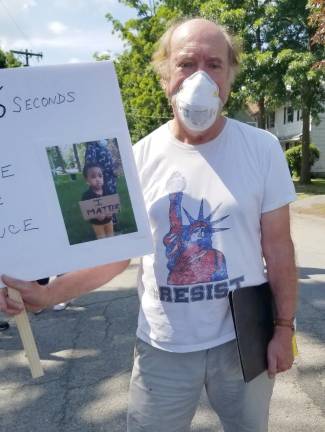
(278, 186)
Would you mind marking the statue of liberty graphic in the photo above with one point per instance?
(191, 257)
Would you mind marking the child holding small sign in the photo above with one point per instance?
(102, 224)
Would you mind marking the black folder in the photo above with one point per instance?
(252, 312)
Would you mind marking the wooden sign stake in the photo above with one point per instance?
(27, 337)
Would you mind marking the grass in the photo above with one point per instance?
(69, 194)
(316, 187)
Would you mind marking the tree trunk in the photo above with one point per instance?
(76, 156)
(261, 118)
(59, 157)
(305, 157)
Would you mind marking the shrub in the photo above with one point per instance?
(293, 156)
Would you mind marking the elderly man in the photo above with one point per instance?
(217, 194)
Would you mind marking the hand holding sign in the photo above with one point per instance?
(12, 303)
(35, 296)
(27, 338)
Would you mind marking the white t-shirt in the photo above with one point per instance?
(204, 204)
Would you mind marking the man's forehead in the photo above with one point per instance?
(198, 25)
(208, 50)
(187, 37)
(209, 53)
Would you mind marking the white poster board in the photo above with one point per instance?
(54, 121)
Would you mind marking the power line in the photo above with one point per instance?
(27, 54)
(14, 21)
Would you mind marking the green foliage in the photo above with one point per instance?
(269, 32)
(185, 7)
(303, 82)
(294, 156)
(298, 53)
(8, 60)
(101, 56)
(3, 60)
(282, 59)
(145, 104)
(259, 80)
(316, 20)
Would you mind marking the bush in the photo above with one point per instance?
(293, 156)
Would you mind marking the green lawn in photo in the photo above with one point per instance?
(69, 194)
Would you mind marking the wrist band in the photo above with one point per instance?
(279, 322)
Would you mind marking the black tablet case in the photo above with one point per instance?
(252, 312)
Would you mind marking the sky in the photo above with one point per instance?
(64, 31)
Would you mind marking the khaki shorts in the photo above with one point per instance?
(165, 390)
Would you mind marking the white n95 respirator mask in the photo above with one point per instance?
(197, 102)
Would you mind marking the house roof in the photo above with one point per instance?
(290, 138)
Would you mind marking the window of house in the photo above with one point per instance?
(290, 112)
(284, 115)
(298, 115)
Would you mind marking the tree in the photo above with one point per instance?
(260, 75)
(58, 158)
(145, 103)
(8, 60)
(76, 156)
(298, 53)
(102, 56)
(280, 52)
(316, 20)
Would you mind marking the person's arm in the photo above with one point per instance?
(64, 288)
(279, 256)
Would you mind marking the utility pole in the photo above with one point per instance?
(27, 54)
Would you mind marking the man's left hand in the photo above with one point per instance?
(279, 353)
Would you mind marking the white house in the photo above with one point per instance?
(286, 124)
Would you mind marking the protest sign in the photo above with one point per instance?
(64, 140)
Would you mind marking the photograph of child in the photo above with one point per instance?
(102, 224)
(85, 174)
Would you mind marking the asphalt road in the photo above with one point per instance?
(86, 352)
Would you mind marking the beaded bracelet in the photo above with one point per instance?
(279, 322)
